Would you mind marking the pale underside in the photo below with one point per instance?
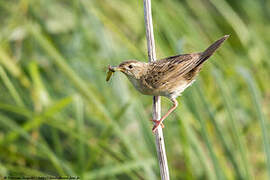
(171, 93)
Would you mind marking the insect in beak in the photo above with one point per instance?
(112, 69)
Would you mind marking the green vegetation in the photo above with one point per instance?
(58, 115)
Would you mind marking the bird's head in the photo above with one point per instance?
(131, 68)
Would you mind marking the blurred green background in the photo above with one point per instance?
(58, 116)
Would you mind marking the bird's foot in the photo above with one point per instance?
(157, 123)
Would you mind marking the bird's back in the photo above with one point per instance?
(170, 76)
(166, 75)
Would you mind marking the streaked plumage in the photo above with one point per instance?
(167, 77)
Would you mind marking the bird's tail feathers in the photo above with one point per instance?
(212, 48)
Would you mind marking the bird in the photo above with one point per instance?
(167, 77)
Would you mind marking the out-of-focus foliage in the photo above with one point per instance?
(58, 116)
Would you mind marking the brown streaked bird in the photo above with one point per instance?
(167, 77)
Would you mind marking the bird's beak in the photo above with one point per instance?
(112, 69)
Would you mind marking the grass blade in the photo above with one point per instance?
(256, 98)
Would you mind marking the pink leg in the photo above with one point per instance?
(175, 104)
(157, 121)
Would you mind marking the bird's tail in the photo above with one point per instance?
(211, 49)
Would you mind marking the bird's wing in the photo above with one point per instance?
(165, 70)
(170, 69)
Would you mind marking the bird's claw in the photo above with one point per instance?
(157, 123)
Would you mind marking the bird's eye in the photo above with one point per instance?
(130, 66)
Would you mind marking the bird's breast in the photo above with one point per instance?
(141, 86)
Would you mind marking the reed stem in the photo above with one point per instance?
(160, 146)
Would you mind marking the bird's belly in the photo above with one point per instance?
(175, 92)
(168, 91)
(145, 91)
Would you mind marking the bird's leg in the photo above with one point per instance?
(157, 123)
